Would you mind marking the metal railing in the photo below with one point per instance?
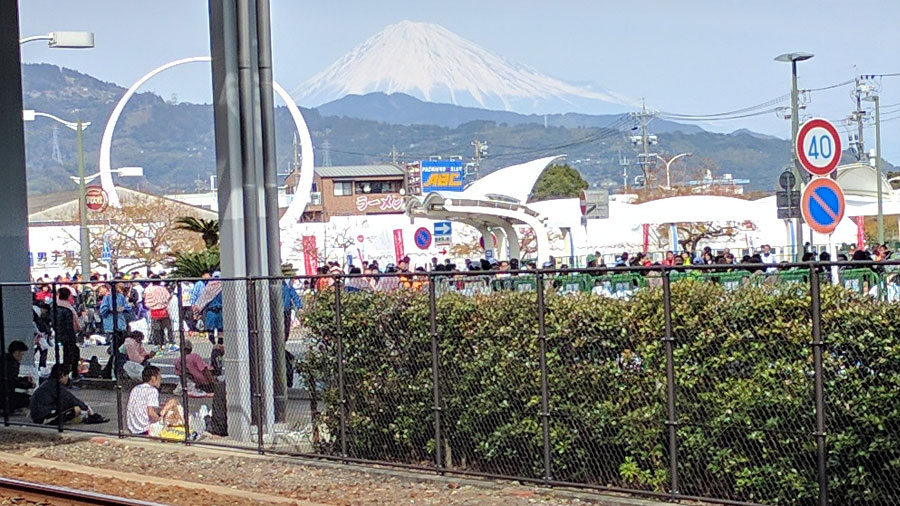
(740, 384)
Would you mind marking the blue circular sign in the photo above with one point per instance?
(822, 205)
(422, 238)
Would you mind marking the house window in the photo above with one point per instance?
(363, 187)
(343, 188)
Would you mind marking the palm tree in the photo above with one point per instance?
(208, 229)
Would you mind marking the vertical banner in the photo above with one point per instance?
(646, 242)
(399, 252)
(310, 254)
(860, 232)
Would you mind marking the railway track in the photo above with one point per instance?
(39, 493)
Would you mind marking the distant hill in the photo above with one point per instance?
(174, 142)
(402, 109)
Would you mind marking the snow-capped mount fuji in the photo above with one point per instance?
(432, 63)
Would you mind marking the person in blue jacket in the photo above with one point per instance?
(122, 307)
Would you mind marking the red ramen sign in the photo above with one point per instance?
(96, 199)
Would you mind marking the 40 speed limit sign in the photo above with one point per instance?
(818, 147)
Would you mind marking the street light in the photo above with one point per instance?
(880, 223)
(668, 163)
(64, 40)
(84, 236)
(793, 58)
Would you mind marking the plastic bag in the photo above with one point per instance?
(134, 370)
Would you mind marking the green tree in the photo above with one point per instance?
(208, 229)
(558, 182)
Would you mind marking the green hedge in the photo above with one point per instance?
(744, 377)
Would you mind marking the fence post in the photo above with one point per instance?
(818, 345)
(114, 370)
(672, 419)
(435, 374)
(256, 386)
(3, 358)
(55, 306)
(340, 363)
(545, 390)
(184, 393)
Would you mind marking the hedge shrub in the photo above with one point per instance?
(744, 387)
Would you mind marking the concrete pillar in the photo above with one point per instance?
(14, 204)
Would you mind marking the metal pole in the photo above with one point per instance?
(255, 362)
(3, 358)
(340, 364)
(59, 418)
(878, 168)
(435, 374)
(795, 128)
(545, 389)
(114, 298)
(672, 420)
(85, 234)
(818, 345)
(184, 371)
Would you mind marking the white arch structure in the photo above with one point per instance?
(304, 185)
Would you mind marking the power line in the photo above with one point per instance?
(685, 116)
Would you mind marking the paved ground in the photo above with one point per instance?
(292, 435)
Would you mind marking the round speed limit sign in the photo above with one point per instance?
(818, 147)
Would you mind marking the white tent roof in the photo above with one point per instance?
(514, 182)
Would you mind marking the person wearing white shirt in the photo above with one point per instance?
(768, 257)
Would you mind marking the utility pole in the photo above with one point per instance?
(326, 153)
(394, 154)
(793, 58)
(645, 140)
(624, 162)
(858, 116)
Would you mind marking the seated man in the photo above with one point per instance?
(143, 403)
(54, 394)
(199, 372)
(13, 381)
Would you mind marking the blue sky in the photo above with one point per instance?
(684, 56)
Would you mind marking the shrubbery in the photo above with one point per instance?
(744, 376)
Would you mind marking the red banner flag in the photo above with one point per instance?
(399, 252)
(310, 254)
(646, 237)
(860, 232)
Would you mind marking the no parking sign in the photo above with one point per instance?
(422, 238)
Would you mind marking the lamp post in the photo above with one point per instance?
(793, 58)
(669, 163)
(880, 223)
(64, 40)
(78, 126)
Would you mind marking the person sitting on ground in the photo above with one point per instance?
(54, 393)
(198, 371)
(143, 402)
(16, 400)
(138, 357)
(216, 358)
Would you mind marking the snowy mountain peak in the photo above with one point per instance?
(430, 62)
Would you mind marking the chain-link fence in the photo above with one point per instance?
(753, 384)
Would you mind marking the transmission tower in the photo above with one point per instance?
(326, 153)
(56, 154)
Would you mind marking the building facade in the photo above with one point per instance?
(355, 190)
